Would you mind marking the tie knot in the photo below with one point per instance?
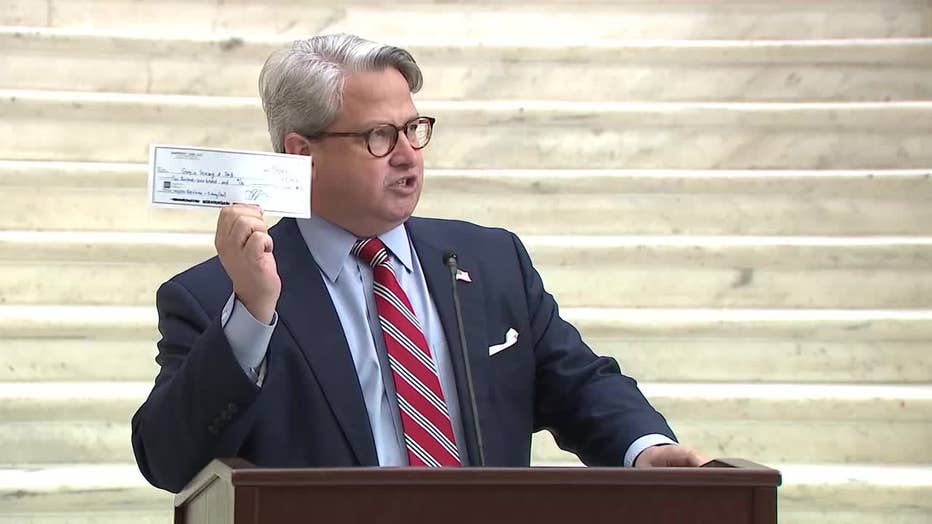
(371, 251)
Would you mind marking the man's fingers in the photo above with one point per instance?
(244, 227)
(247, 209)
(229, 216)
(685, 457)
(258, 244)
(669, 456)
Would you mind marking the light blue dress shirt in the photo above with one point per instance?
(349, 282)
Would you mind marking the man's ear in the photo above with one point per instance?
(296, 144)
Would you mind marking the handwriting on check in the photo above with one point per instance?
(180, 183)
(181, 176)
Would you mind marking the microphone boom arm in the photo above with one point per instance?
(449, 260)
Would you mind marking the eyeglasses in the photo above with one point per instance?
(381, 140)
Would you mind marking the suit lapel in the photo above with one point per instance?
(430, 254)
(306, 311)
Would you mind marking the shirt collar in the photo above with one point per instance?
(396, 240)
(330, 244)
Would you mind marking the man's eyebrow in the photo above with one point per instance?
(369, 124)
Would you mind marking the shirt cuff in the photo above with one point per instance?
(643, 443)
(248, 337)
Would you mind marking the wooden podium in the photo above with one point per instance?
(235, 491)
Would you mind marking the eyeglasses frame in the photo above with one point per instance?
(365, 134)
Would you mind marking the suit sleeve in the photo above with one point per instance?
(200, 407)
(592, 409)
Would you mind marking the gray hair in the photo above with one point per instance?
(302, 85)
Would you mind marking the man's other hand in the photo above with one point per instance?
(668, 456)
(245, 249)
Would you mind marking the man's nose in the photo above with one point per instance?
(404, 153)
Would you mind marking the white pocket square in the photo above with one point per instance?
(510, 338)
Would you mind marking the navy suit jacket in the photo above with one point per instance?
(310, 410)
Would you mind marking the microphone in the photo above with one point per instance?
(449, 260)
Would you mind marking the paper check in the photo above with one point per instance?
(195, 176)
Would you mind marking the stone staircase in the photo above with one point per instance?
(732, 197)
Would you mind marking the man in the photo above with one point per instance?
(332, 341)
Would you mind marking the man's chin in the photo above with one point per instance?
(400, 216)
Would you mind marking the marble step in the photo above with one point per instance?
(805, 70)
(810, 494)
(500, 134)
(851, 486)
(107, 196)
(47, 422)
(862, 494)
(486, 20)
(840, 494)
(60, 492)
(108, 343)
(581, 271)
(161, 515)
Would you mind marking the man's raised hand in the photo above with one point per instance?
(245, 249)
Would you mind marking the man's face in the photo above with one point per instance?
(353, 189)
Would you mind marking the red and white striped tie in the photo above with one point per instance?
(424, 416)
